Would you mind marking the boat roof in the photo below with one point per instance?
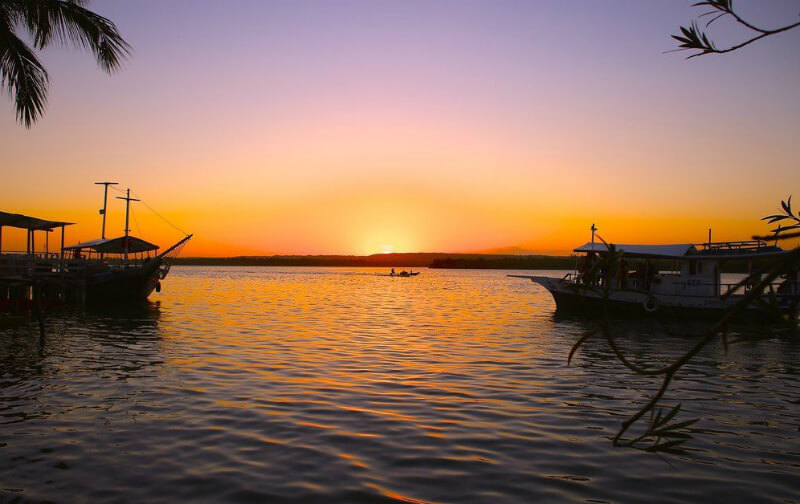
(665, 251)
(30, 223)
(115, 245)
(717, 250)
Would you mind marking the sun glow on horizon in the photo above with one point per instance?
(403, 127)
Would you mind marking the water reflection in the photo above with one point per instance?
(337, 385)
(722, 386)
(104, 344)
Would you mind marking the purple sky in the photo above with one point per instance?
(527, 119)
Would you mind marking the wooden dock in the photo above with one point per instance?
(31, 280)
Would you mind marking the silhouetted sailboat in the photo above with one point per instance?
(124, 268)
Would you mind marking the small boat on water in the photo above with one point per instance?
(403, 273)
(676, 280)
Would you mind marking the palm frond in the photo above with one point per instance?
(23, 77)
(70, 22)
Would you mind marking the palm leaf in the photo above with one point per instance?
(23, 77)
(70, 22)
(64, 21)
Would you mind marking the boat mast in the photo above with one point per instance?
(105, 200)
(103, 211)
(593, 229)
(128, 200)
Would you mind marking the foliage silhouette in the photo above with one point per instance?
(693, 37)
(46, 21)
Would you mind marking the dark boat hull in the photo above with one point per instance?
(570, 296)
(124, 284)
(575, 303)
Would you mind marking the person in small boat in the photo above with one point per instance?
(392, 273)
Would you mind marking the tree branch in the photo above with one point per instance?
(693, 38)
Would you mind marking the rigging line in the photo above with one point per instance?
(159, 215)
(141, 200)
(136, 222)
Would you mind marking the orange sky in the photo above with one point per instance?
(301, 128)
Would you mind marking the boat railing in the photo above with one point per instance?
(735, 246)
(781, 288)
(119, 262)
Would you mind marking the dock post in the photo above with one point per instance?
(36, 288)
(62, 268)
(82, 289)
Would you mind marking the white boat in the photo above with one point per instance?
(679, 280)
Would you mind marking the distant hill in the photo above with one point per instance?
(498, 261)
(410, 260)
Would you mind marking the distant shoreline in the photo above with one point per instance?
(436, 260)
(410, 260)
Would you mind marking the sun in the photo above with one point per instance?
(387, 249)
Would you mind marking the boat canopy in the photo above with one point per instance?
(115, 245)
(664, 251)
(30, 223)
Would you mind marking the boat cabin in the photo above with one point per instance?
(681, 269)
(126, 249)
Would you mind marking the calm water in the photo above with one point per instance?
(339, 385)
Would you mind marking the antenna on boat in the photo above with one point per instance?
(105, 200)
(128, 200)
(593, 229)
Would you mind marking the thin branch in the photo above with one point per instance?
(693, 38)
(745, 23)
(747, 42)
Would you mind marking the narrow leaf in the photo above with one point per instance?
(671, 414)
(679, 425)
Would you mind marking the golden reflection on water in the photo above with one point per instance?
(405, 326)
(346, 385)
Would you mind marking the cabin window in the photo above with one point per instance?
(692, 267)
(699, 268)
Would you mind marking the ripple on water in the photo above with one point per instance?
(339, 385)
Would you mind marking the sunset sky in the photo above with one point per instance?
(359, 127)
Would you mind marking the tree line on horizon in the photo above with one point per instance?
(433, 260)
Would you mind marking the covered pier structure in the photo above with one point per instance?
(31, 276)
